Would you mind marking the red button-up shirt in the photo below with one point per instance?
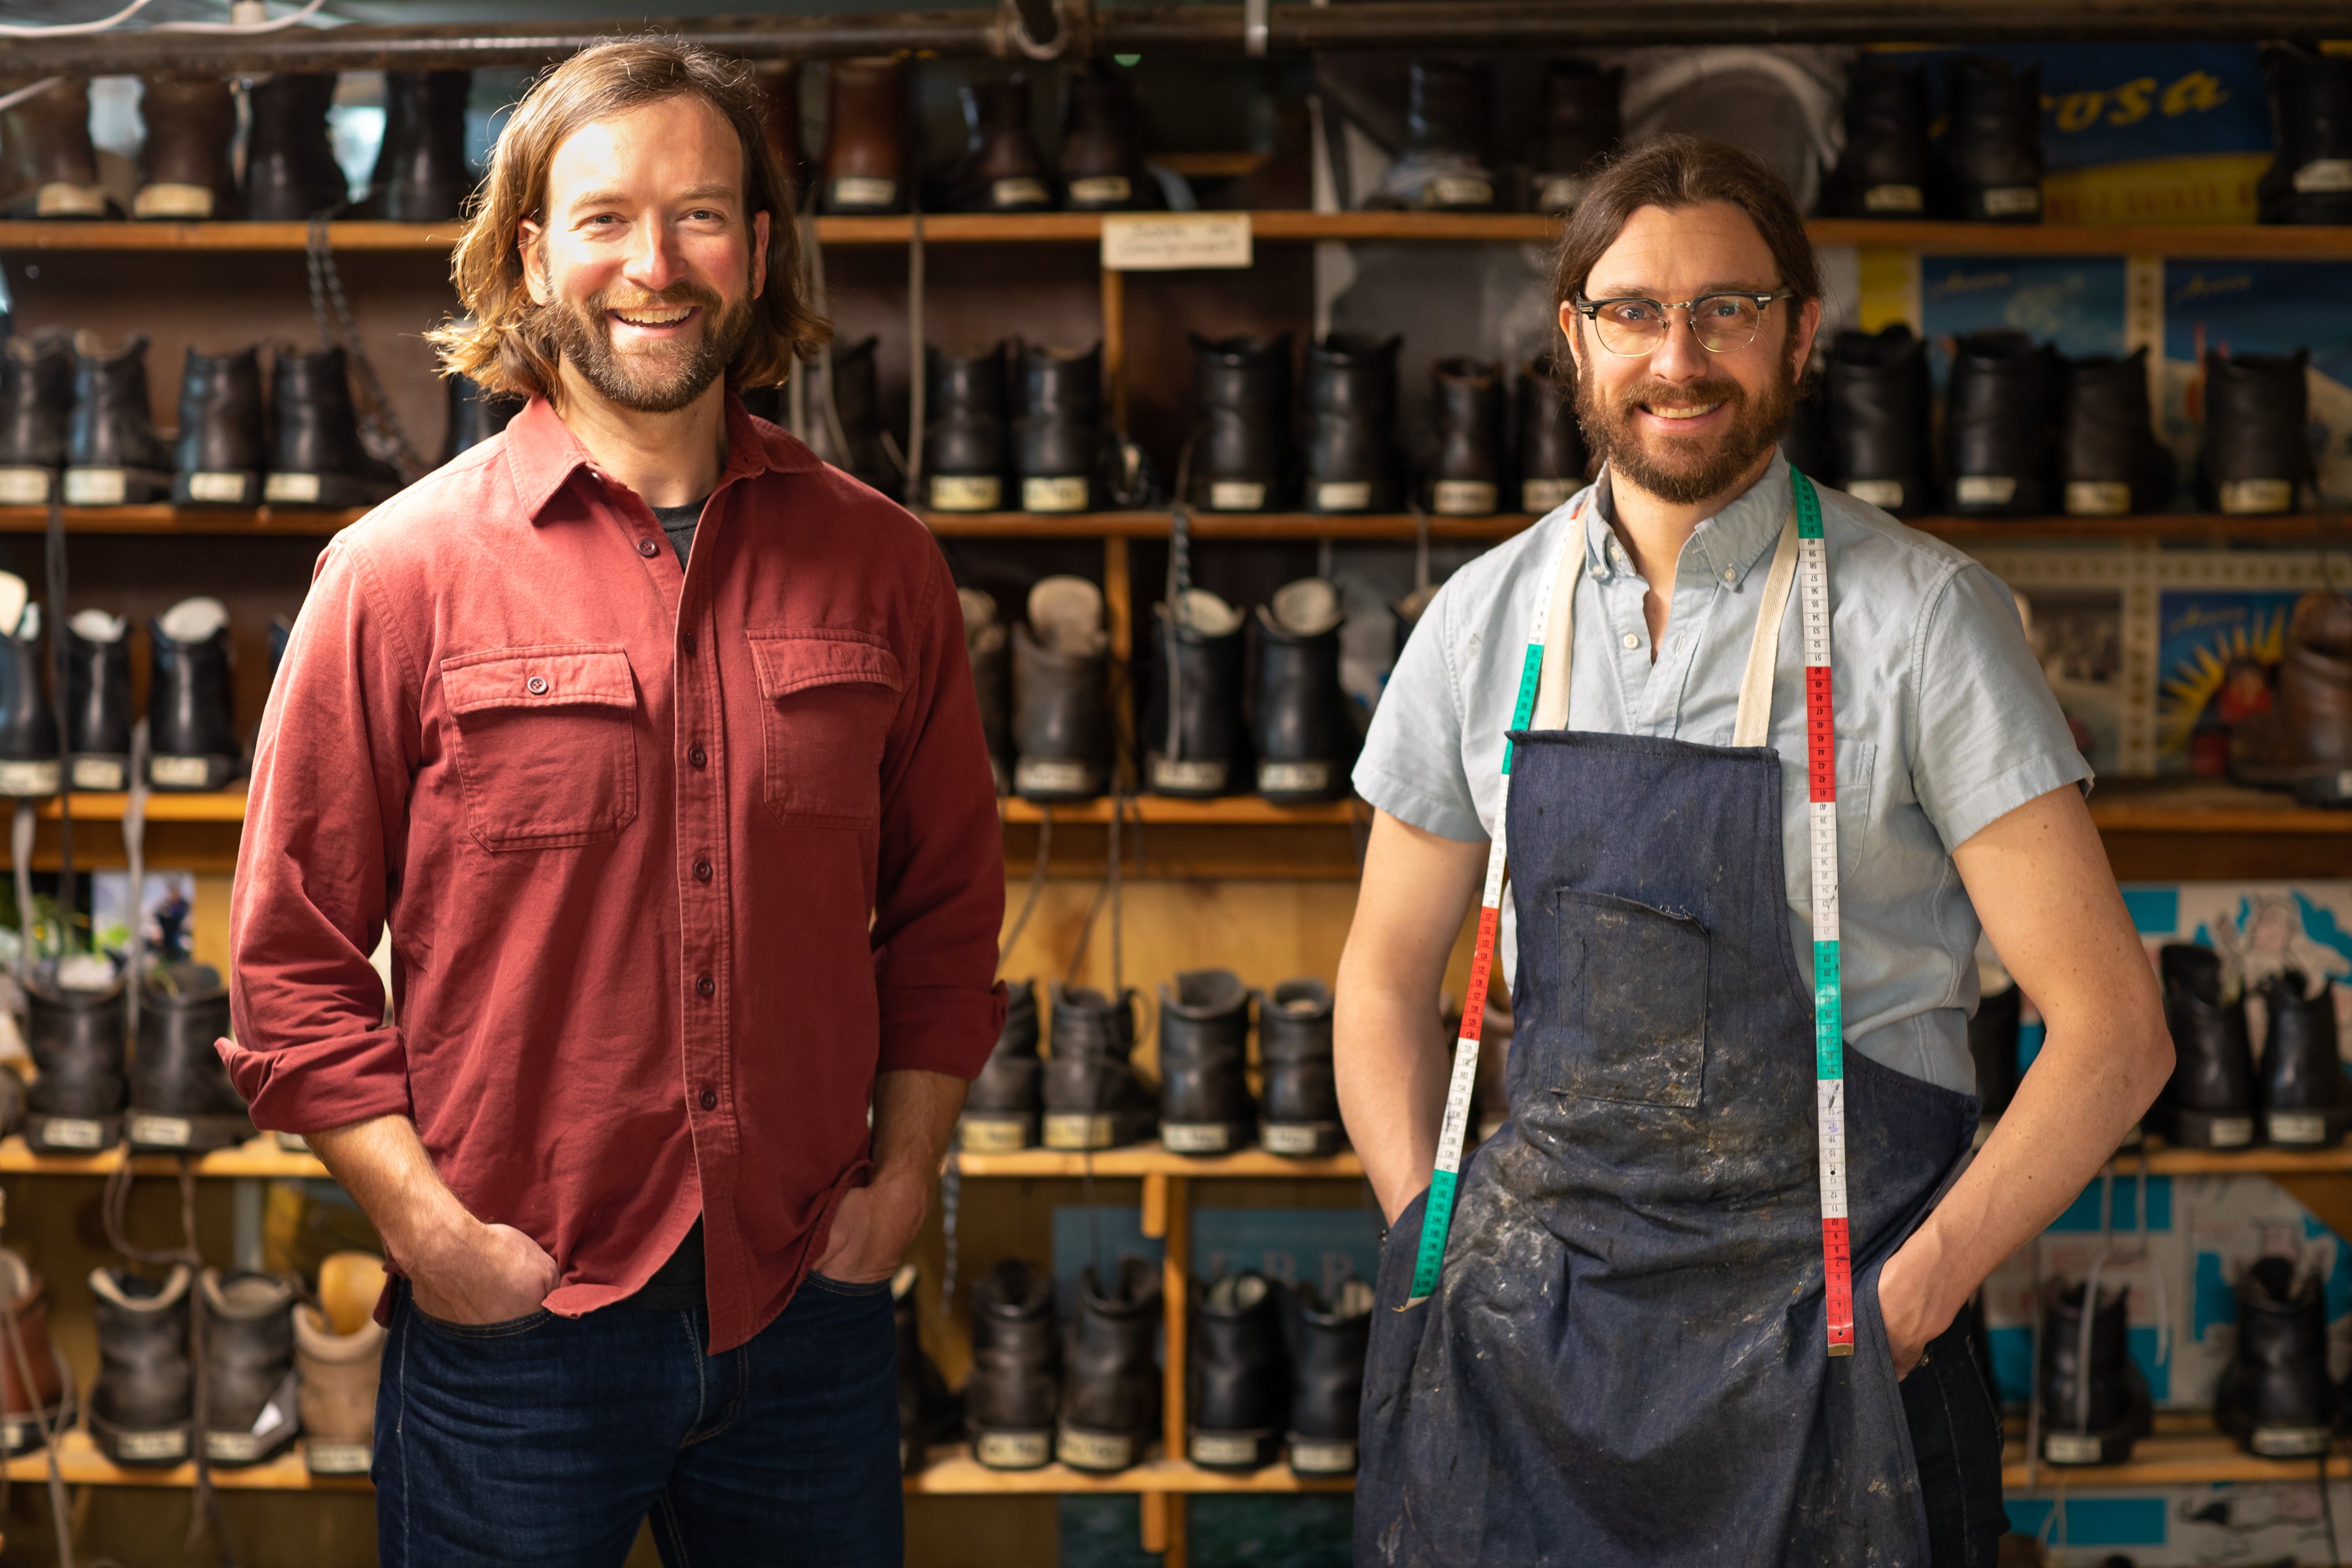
(675, 860)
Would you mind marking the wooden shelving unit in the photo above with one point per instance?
(258, 1156)
(81, 1464)
(292, 522)
(2183, 1450)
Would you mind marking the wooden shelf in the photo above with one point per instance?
(293, 522)
(1233, 811)
(162, 806)
(258, 1156)
(953, 1471)
(81, 1463)
(2204, 806)
(1264, 526)
(2196, 1456)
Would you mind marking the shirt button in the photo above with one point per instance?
(1729, 575)
(702, 870)
(709, 1099)
(646, 547)
(706, 986)
(1617, 554)
(536, 686)
(697, 755)
(1631, 641)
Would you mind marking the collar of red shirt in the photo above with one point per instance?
(542, 453)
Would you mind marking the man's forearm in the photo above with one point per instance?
(383, 1165)
(914, 1119)
(1391, 1072)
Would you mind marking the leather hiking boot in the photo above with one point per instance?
(98, 701)
(1237, 1380)
(2306, 1099)
(218, 461)
(779, 120)
(1102, 146)
(421, 175)
(1551, 443)
(181, 1102)
(184, 171)
(857, 404)
(1061, 694)
(2274, 1397)
(338, 1365)
(2257, 455)
(1007, 1101)
(1326, 1376)
(1465, 478)
(48, 1400)
(1205, 1098)
(2209, 1102)
(77, 1039)
(29, 723)
(290, 171)
(48, 135)
(474, 415)
(927, 1412)
(1010, 1403)
(1352, 448)
(1300, 1116)
(2304, 741)
(2108, 454)
(1878, 395)
(1992, 148)
(113, 457)
(191, 721)
(140, 1405)
(1110, 1395)
(1805, 441)
(1885, 171)
(1447, 164)
(251, 1404)
(985, 642)
(1194, 737)
(37, 399)
(964, 445)
(1305, 738)
(1581, 124)
(2001, 426)
(1241, 400)
(1059, 436)
(1992, 1042)
(2310, 176)
(2094, 1403)
(316, 457)
(1002, 172)
(868, 161)
(1093, 1099)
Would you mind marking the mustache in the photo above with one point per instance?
(638, 299)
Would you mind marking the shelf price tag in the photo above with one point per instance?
(1174, 242)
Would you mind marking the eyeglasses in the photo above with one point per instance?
(1633, 327)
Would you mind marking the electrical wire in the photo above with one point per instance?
(72, 29)
(109, 24)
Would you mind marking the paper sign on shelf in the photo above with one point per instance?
(1174, 242)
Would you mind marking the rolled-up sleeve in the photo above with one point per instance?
(323, 826)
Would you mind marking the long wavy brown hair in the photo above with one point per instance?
(508, 342)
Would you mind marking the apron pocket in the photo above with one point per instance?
(1396, 1332)
(1632, 997)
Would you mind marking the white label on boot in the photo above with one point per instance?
(104, 775)
(2237, 496)
(216, 486)
(1894, 199)
(2233, 1131)
(1095, 1450)
(1199, 777)
(25, 487)
(295, 490)
(1235, 495)
(1543, 495)
(2070, 1448)
(1070, 1130)
(1462, 498)
(1098, 188)
(97, 487)
(1293, 1137)
(2097, 498)
(1887, 493)
(1349, 495)
(325, 1458)
(1051, 775)
(1561, 192)
(72, 1133)
(1293, 778)
(169, 1445)
(180, 773)
(293, 1143)
(2322, 176)
(966, 492)
(1196, 1137)
(1019, 190)
(169, 199)
(1053, 495)
(993, 1135)
(163, 1131)
(1985, 490)
(863, 191)
(1226, 1447)
(1322, 1455)
(1013, 1450)
(70, 201)
(232, 1448)
(28, 778)
(2298, 1127)
(2012, 201)
(2290, 1442)
(16, 1434)
(1458, 191)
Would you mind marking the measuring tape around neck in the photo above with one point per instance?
(1829, 1029)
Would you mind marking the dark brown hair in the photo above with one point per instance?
(509, 345)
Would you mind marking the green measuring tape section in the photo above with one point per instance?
(1436, 1219)
(1829, 1013)
(1809, 505)
(1525, 710)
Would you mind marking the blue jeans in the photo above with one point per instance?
(547, 1440)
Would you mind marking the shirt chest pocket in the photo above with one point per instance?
(1857, 765)
(546, 743)
(826, 697)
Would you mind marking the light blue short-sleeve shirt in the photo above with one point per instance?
(1945, 722)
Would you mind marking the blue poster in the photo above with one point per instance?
(2076, 303)
(2262, 307)
(2218, 654)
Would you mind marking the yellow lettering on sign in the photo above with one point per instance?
(2080, 111)
(2133, 101)
(2195, 93)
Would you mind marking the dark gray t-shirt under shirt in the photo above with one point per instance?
(678, 523)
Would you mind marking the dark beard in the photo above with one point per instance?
(1686, 474)
(672, 380)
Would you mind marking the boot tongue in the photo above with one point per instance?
(1355, 1299)
(97, 626)
(1415, 605)
(1207, 615)
(2321, 621)
(979, 609)
(1306, 608)
(14, 599)
(1209, 991)
(194, 620)
(86, 971)
(1067, 614)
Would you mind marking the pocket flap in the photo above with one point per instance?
(791, 661)
(557, 676)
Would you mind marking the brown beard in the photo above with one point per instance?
(1686, 473)
(657, 384)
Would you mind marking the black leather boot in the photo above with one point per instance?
(1447, 164)
(1015, 1387)
(1352, 448)
(1061, 694)
(191, 716)
(927, 1412)
(1805, 442)
(1993, 145)
(2305, 1097)
(1304, 740)
(181, 1102)
(2001, 426)
(1205, 1098)
(141, 1405)
(420, 170)
(1465, 477)
(1003, 172)
(1885, 171)
(779, 82)
(1551, 443)
(290, 171)
(1110, 1400)
(1326, 1376)
(98, 701)
(316, 457)
(250, 1395)
(184, 171)
(1992, 1042)
(1193, 738)
(1237, 1377)
(867, 159)
(1300, 1116)
(2108, 454)
(113, 457)
(1879, 393)
(1007, 1101)
(37, 399)
(1241, 398)
(56, 161)
(2257, 456)
(221, 451)
(2310, 176)
(1060, 433)
(964, 445)
(985, 642)
(29, 723)
(474, 415)
(2274, 1397)
(1102, 146)
(2209, 1102)
(77, 1039)
(1093, 1099)
(2093, 1406)
(1581, 124)
(857, 402)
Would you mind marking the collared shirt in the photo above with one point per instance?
(674, 859)
(1944, 723)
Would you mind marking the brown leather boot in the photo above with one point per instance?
(23, 1411)
(867, 157)
(49, 134)
(1003, 172)
(183, 167)
(780, 117)
(338, 1373)
(2305, 739)
(1102, 147)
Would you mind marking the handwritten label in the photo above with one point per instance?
(1174, 242)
